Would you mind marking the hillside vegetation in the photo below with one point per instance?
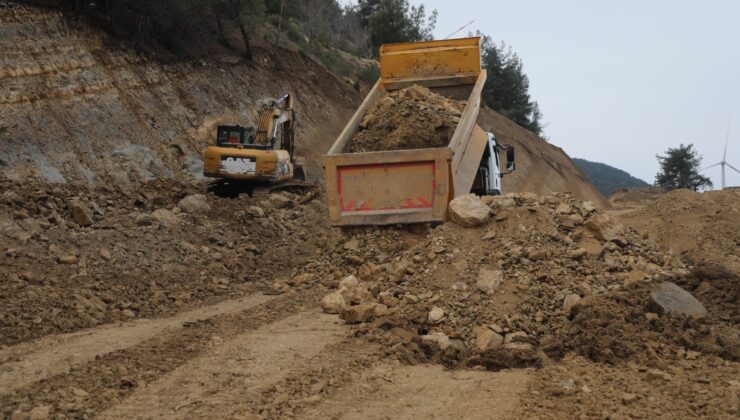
(608, 179)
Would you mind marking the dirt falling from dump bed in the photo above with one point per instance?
(410, 118)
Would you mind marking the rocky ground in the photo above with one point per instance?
(409, 118)
(76, 257)
(172, 301)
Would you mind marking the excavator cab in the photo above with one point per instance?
(234, 136)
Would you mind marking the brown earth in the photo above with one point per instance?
(701, 228)
(165, 301)
(409, 118)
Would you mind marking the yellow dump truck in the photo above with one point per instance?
(412, 186)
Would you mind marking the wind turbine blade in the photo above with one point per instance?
(710, 166)
(727, 137)
(732, 167)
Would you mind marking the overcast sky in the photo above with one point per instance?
(620, 81)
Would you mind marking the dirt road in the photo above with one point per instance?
(295, 363)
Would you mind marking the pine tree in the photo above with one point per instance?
(389, 21)
(507, 87)
(679, 168)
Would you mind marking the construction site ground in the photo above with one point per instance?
(128, 289)
(210, 307)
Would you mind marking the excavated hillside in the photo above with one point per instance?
(541, 167)
(77, 106)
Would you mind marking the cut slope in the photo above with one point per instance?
(75, 106)
(541, 167)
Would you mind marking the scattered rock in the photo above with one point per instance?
(40, 413)
(487, 339)
(67, 259)
(352, 245)
(79, 392)
(280, 201)
(80, 213)
(256, 211)
(438, 339)
(667, 297)
(578, 253)
(489, 280)
(628, 398)
(436, 315)
(333, 303)
(145, 220)
(570, 301)
(359, 313)
(502, 215)
(468, 211)
(489, 235)
(349, 283)
(605, 229)
(166, 218)
(656, 374)
(194, 204)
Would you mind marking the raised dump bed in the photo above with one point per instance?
(411, 186)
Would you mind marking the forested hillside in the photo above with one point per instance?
(607, 178)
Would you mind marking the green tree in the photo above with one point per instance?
(679, 168)
(389, 21)
(507, 86)
(246, 15)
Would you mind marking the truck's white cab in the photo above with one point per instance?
(488, 180)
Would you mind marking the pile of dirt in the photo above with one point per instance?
(74, 257)
(409, 118)
(701, 228)
(548, 275)
(625, 197)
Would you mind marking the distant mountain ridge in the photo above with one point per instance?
(608, 179)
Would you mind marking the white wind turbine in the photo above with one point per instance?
(723, 162)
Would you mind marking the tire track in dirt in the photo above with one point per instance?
(429, 392)
(233, 372)
(90, 388)
(52, 355)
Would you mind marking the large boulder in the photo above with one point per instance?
(467, 210)
(606, 230)
(667, 297)
(194, 204)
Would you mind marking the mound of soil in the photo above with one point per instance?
(409, 118)
(703, 228)
(75, 257)
(549, 275)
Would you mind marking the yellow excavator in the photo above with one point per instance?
(266, 153)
